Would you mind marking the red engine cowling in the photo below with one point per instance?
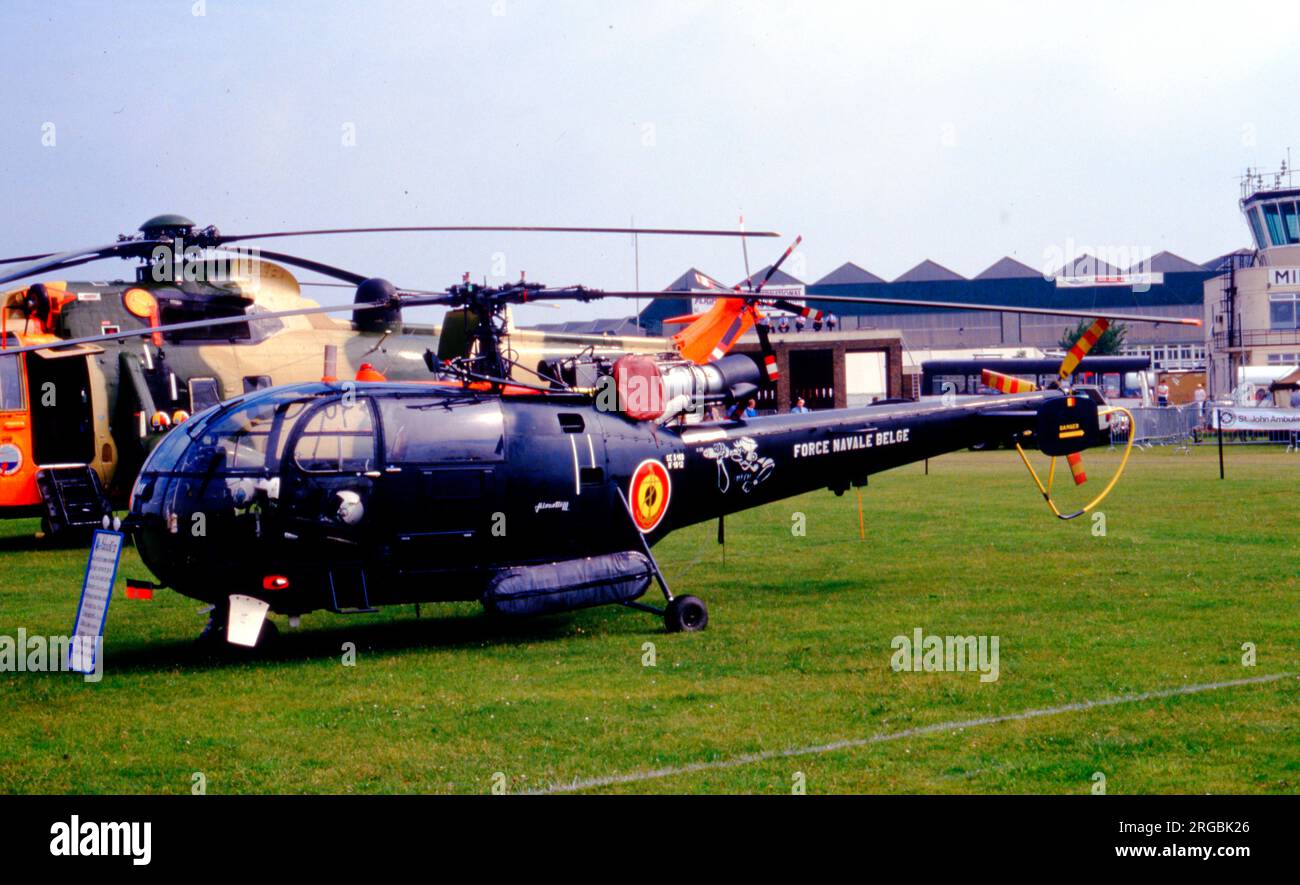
(651, 389)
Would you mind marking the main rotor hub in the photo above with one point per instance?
(167, 227)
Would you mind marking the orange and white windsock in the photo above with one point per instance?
(1006, 383)
(1082, 346)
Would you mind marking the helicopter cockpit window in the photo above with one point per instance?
(11, 383)
(423, 430)
(204, 392)
(249, 438)
(339, 437)
(211, 303)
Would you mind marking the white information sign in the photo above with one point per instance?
(96, 592)
(1254, 419)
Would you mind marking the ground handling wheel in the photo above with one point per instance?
(686, 614)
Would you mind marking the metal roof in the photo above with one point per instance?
(1165, 262)
(1007, 268)
(780, 278)
(1088, 266)
(694, 279)
(848, 272)
(927, 272)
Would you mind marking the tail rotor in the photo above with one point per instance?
(1062, 431)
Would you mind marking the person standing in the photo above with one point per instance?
(800, 407)
(1162, 393)
(1200, 396)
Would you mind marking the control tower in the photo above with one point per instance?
(1252, 314)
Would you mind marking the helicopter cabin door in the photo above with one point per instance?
(439, 485)
(63, 429)
(563, 505)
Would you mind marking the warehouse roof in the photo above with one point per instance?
(848, 272)
(927, 272)
(780, 278)
(1007, 268)
(1088, 266)
(693, 279)
(1165, 262)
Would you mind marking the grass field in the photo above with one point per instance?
(797, 654)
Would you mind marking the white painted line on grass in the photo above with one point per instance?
(849, 744)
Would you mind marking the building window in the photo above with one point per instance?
(1257, 228)
(1281, 311)
(1284, 359)
(1283, 223)
(1274, 221)
(1290, 223)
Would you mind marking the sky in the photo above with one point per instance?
(883, 133)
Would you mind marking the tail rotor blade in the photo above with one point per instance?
(802, 310)
(780, 261)
(1075, 461)
(1006, 383)
(771, 371)
(1082, 346)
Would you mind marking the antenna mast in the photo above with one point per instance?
(636, 268)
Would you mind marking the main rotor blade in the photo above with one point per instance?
(580, 293)
(416, 301)
(21, 258)
(60, 260)
(325, 270)
(653, 231)
(1091, 313)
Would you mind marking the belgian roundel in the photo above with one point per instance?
(11, 459)
(650, 489)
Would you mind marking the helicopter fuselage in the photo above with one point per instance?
(412, 495)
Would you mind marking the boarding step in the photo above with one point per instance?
(74, 497)
(349, 593)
